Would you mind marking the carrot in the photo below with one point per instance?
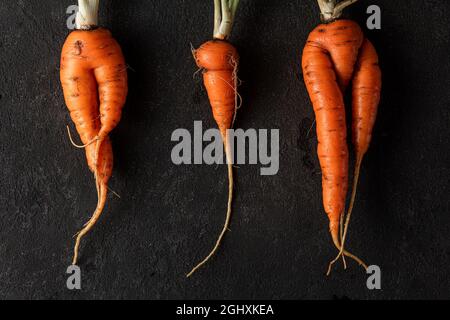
(219, 61)
(366, 90)
(328, 62)
(94, 81)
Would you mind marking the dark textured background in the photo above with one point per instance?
(169, 216)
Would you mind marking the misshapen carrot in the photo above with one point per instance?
(326, 95)
(325, 71)
(94, 80)
(219, 61)
(329, 58)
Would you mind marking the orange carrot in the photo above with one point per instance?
(94, 80)
(366, 90)
(219, 61)
(328, 64)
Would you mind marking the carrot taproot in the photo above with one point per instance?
(219, 61)
(94, 81)
(328, 64)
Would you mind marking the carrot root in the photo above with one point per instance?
(341, 232)
(227, 219)
(343, 252)
(79, 146)
(237, 96)
(88, 226)
(353, 197)
(340, 246)
(349, 212)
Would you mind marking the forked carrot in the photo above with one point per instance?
(332, 51)
(94, 80)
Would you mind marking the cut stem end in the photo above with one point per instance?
(331, 10)
(87, 15)
(224, 13)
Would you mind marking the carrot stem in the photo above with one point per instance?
(217, 16)
(234, 6)
(224, 13)
(332, 9)
(87, 15)
(326, 9)
(229, 207)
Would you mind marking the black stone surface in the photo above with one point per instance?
(169, 216)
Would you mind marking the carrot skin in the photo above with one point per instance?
(219, 61)
(366, 92)
(216, 55)
(341, 39)
(104, 165)
(94, 78)
(221, 97)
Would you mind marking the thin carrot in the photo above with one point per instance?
(219, 61)
(328, 63)
(366, 89)
(94, 80)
